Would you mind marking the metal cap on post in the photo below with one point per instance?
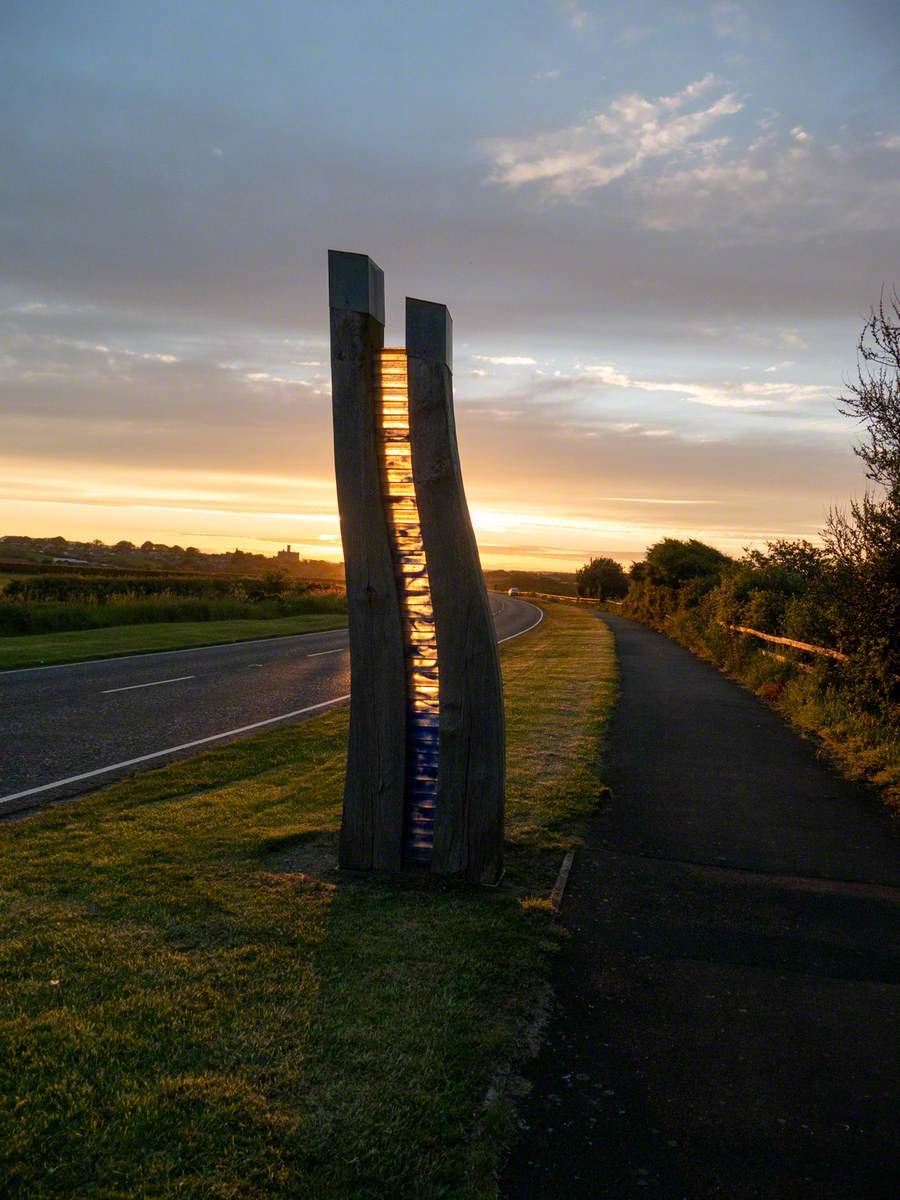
(355, 283)
(429, 331)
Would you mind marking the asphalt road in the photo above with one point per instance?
(68, 729)
(727, 1020)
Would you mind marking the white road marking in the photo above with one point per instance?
(156, 683)
(214, 737)
(129, 762)
(540, 613)
(319, 653)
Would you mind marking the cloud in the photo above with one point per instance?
(730, 20)
(791, 188)
(680, 174)
(744, 394)
(611, 144)
(505, 360)
(577, 13)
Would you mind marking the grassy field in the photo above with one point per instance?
(44, 649)
(194, 1003)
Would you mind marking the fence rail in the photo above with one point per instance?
(558, 598)
(783, 641)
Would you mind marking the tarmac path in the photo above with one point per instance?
(68, 729)
(727, 1003)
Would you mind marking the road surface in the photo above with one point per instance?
(727, 1020)
(65, 730)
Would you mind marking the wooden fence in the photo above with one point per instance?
(783, 641)
(560, 599)
(757, 633)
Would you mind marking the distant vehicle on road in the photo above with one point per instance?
(514, 591)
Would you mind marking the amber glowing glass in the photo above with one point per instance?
(422, 686)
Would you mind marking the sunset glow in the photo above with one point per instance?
(657, 238)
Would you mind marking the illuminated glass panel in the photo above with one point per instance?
(415, 600)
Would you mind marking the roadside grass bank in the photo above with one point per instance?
(863, 745)
(193, 1002)
(46, 649)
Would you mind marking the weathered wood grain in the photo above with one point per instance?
(372, 828)
(472, 771)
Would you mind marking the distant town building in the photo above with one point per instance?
(288, 557)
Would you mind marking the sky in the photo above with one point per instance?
(658, 226)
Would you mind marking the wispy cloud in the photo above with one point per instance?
(681, 173)
(745, 394)
(577, 14)
(730, 20)
(791, 186)
(505, 360)
(610, 144)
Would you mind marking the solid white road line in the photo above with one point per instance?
(214, 737)
(156, 683)
(319, 653)
(540, 613)
(129, 762)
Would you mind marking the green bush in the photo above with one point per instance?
(49, 617)
(101, 589)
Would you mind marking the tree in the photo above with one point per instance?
(602, 578)
(673, 562)
(863, 542)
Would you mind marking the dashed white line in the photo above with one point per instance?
(130, 762)
(319, 653)
(156, 683)
(214, 737)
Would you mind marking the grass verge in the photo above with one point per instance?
(193, 1003)
(45, 649)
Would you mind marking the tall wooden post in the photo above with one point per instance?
(426, 758)
(372, 828)
(468, 835)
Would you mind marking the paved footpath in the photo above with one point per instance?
(727, 1021)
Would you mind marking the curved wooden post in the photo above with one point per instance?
(372, 828)
(468, 836)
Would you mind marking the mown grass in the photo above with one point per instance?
(44, 649)
(193, 1003)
